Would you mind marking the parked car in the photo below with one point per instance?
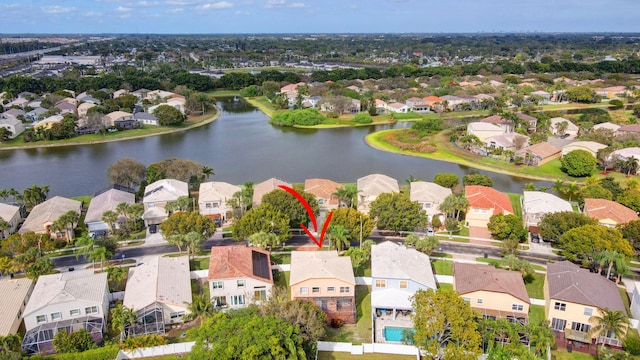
(430, 231)
(564, 136)
(535, 238)
(153, 229)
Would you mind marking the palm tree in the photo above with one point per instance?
(412, 179)
(200, 308)
(100, 253)
(4, 194)
(207, 172)
(558, 187)
(4, 226)
(572, 189)
(110, 218)
(116, 275)
(15, 194)
(631, 165)
(541, 337)
(614, 322)
(600, 259)
(348, 194)
(68, 220)
(10, 343)
(121, 318)
(122, 208)
(339, 236)
(511, 261)
(134, 214)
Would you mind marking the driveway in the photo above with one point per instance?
(154, 239)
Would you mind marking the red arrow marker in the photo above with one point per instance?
(311, 215)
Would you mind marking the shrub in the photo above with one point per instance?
(578, 163)
(337, 323)
(363, 118)
(306, 117)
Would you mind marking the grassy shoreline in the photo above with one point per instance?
(92, 139)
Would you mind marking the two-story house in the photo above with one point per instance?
(15, 295)
(156, 197)
(239, 276)
(324, 191)
(484, 130)
(371, 186)
(537, 204)
(66, 301)
(12, 216)
(572, 296)
(326, 279)
(429, 195)
(43, 215)
(494, 293)
(608, 213)
(213, 199)
(267, 186)
(485, 202)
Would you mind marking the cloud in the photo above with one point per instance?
(179, 2)
(175, 11)
(58, 9)
(271, 4)
(298, 5)
(92, 14)
(215, 6)
(145, 3)
(123, 9)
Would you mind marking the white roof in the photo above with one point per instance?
(536, 202)
(627, 152)
(10, 121)
(108, 200)
(7, 212)
(52, 119)
(392, 261)
(320, 265)
(571, 126)
(216, 190)
(428, 191)
(67, 287)
(591, 146)
(163, 279)
(607, 125)
(399, 298)
(376, 184)
(165, 190)
(14, 292)
(482, 126)
(506, 140)
(48, 211)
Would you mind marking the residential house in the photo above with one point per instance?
(13, 216)
(625, 154)
(267, 186)
(505, 124)
(469, 102)
(118, 93)
(213, 199)
(19, 102)
(495, 83)
(141, 93)
(159, 291)
(66, 107)
(323, 190)
(12, 124)
(510, 141)
(485, 202)
(15, 295)
(629, 129)
(84, 107)
(397, 273)
(43, 215)
(239, 276)
(537, 204)
(88, 99)
(340, 104)
(635, 300)
(158, 95)
(434, 102)
(120, 119)
(484, 130)
(101, 202)
(452, 102)
(607, 126)
(398, 107)
(417, 105)
(48, 122)
(612, 92)
(529, 121)
(34, 114)
(571, 128)
(572, 296)
(146, 118)
(12, 113)
(70, 301)
(494, 293)
(429, 196)
(590, 146)
(608, 213)
(156, 197)
(326, 279)
(543, 95)
(291, 91)
(539, 154)
(371, 186)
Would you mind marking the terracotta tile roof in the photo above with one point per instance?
(433, 99)
(602, 209)
(323, 189)
(468, 278)
(568, 282)
(484, 197)
(543, 150)
(496, 119)
(630, 128)
(228, 262)
(267, 186)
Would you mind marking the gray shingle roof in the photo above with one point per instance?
(393, 261)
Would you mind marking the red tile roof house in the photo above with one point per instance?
(485, 202)
(323, 190)
(539, 154)
(494, 293)
(239, 275)
(628, 129)
(608, 213)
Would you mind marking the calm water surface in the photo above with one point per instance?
(241, 146)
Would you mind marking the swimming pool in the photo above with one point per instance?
(392, 333)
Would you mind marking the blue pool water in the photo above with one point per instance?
(392, 333)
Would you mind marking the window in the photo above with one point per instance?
(331, 289)
(381, 283)
(322, 304)
(56, 316)
(240, 283)
(41, 318)
(304, 290)
(320, 201)
(492, 317)
(560, 306)
(588, 311)
(208, 205)
(315, 290)
(517, 307)
(91, 310)
(344, 290)
(480, 301)
(558, 324)
(404, 284)
(219, 301)
(74, 312)
(237, 300)
(178, 314)
(466, 299)
(343, 304)
(580, 327)
(426, 206)
(260, 293)
(216, 285)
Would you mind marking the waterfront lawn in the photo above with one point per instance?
(326, 355)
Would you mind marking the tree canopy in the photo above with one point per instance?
(168, 115)
(188, 229)
(289, 205)
(264, 218)
(507, 227)
(395, 211)
(582, 242)
(349, 218)
(554, 225)
(578, 163)
(127, 172)
(446, 180)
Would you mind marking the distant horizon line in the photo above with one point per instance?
(343, 33)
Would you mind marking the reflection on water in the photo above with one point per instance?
(241, 146)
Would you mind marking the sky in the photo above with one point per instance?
(316, 16)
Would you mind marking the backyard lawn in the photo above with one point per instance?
(536, 314)
(361, 331)
(562, 354)
(325, 355)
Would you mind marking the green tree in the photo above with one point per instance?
(110, 218)
(121, 318)
(582, 94)
(168, 115)
(116, 276)
(554, 225)
(264, 218)
(77, 341)
(447, 180)
(244, 334)
(200, 308)
(354, 221)
(631, 232)
(358, 256)
(595, 192)
(266, 240)
(582, 242)
(10, 347)
(477, 179)
(339, 237)
(578, 163)
(428, 245)
(68, 221)
(395, 211)
(289, 205)
(126, 172)
(445, 326)
(452, 225)
(32, 195)
(541, 338)
(187, 228)
(613, 321)
(507, 227)
(630, 198)
(347, 195)
(411, 240)
(141, 341)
